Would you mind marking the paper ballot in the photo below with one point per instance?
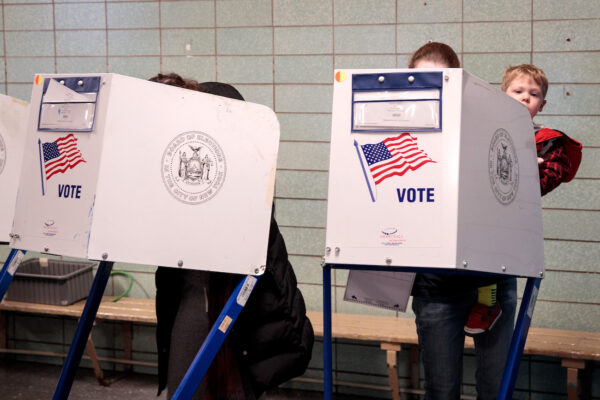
(384, 289)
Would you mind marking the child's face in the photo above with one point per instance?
(423, 63)
(524, 89)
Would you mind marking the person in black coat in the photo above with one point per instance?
(270, 343)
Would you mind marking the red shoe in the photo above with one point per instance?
(482, 319)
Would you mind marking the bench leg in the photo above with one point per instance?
(392, 367)
(414, 368)
(91, 350)
(573, 367)
(127, 349)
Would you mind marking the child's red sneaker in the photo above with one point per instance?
(482, 319)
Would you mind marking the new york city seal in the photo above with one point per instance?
(193, 167)
(503, 167)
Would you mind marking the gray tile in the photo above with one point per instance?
(373, 61)
(80, 64)
(566, 99)
(569, 316)
(243, 13)
(188, 42)
(313, 296)
(412, 36)
(25, 69)
(491, 67)
(303, 40)
(558, 286)
(303, 156)
(571, 256)
(80, 16)
(574, 225)
(303, 69)
(364, 12)
(132, 15)
(304, 241)
(570, 67)
(311, 127)
(133, 42)
(298, 98)
(245, 69)
(200, 68)
(577, 194)
(351, 39)
(497, 37)
(302, 184)
(81, 43)
(32, 44)
(2, 79)
(27, 17)
(565, 35)
(244, 41)
(307, 269)
(19, 90)
(558, 9)
(188, 14)
(429, 11)
(306, 12)
(304, 213)
(138, 67)
(260, 94)
(490, 10)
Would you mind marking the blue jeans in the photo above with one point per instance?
(440, 327)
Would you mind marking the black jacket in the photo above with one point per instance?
(272, 338)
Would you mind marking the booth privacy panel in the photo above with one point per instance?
(452, 197)
(13, 122)
(180, 178)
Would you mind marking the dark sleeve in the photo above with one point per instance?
(555, 167)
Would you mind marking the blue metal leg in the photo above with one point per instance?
(511, 369)
(327, 352)
(8, 270)
(83, 331)
(216, 337)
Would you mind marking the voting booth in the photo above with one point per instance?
(122, 169)
(432, 169)
(13, 122)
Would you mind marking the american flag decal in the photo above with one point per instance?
(61, 155)
(394, 156)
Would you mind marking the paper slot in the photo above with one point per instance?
(397, 115)
(58, 93)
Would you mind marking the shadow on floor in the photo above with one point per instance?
(34, 381)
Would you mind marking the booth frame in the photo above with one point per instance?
(197, 369)
(513, 360)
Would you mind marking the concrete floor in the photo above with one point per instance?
(33, 381)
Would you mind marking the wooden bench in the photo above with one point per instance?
(572, 347)
(127, 310)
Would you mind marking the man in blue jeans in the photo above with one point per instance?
(442, 304)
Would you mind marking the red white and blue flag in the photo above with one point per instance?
(61, 155)
(393, 156)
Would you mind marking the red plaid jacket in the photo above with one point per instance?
(561, 155)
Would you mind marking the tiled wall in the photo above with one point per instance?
(282, 53)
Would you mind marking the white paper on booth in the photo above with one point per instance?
(384, 289)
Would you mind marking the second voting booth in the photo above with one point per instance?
(121, 169)
(435, 171)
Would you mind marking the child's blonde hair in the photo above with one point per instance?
(530, 70)
(435, 51)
